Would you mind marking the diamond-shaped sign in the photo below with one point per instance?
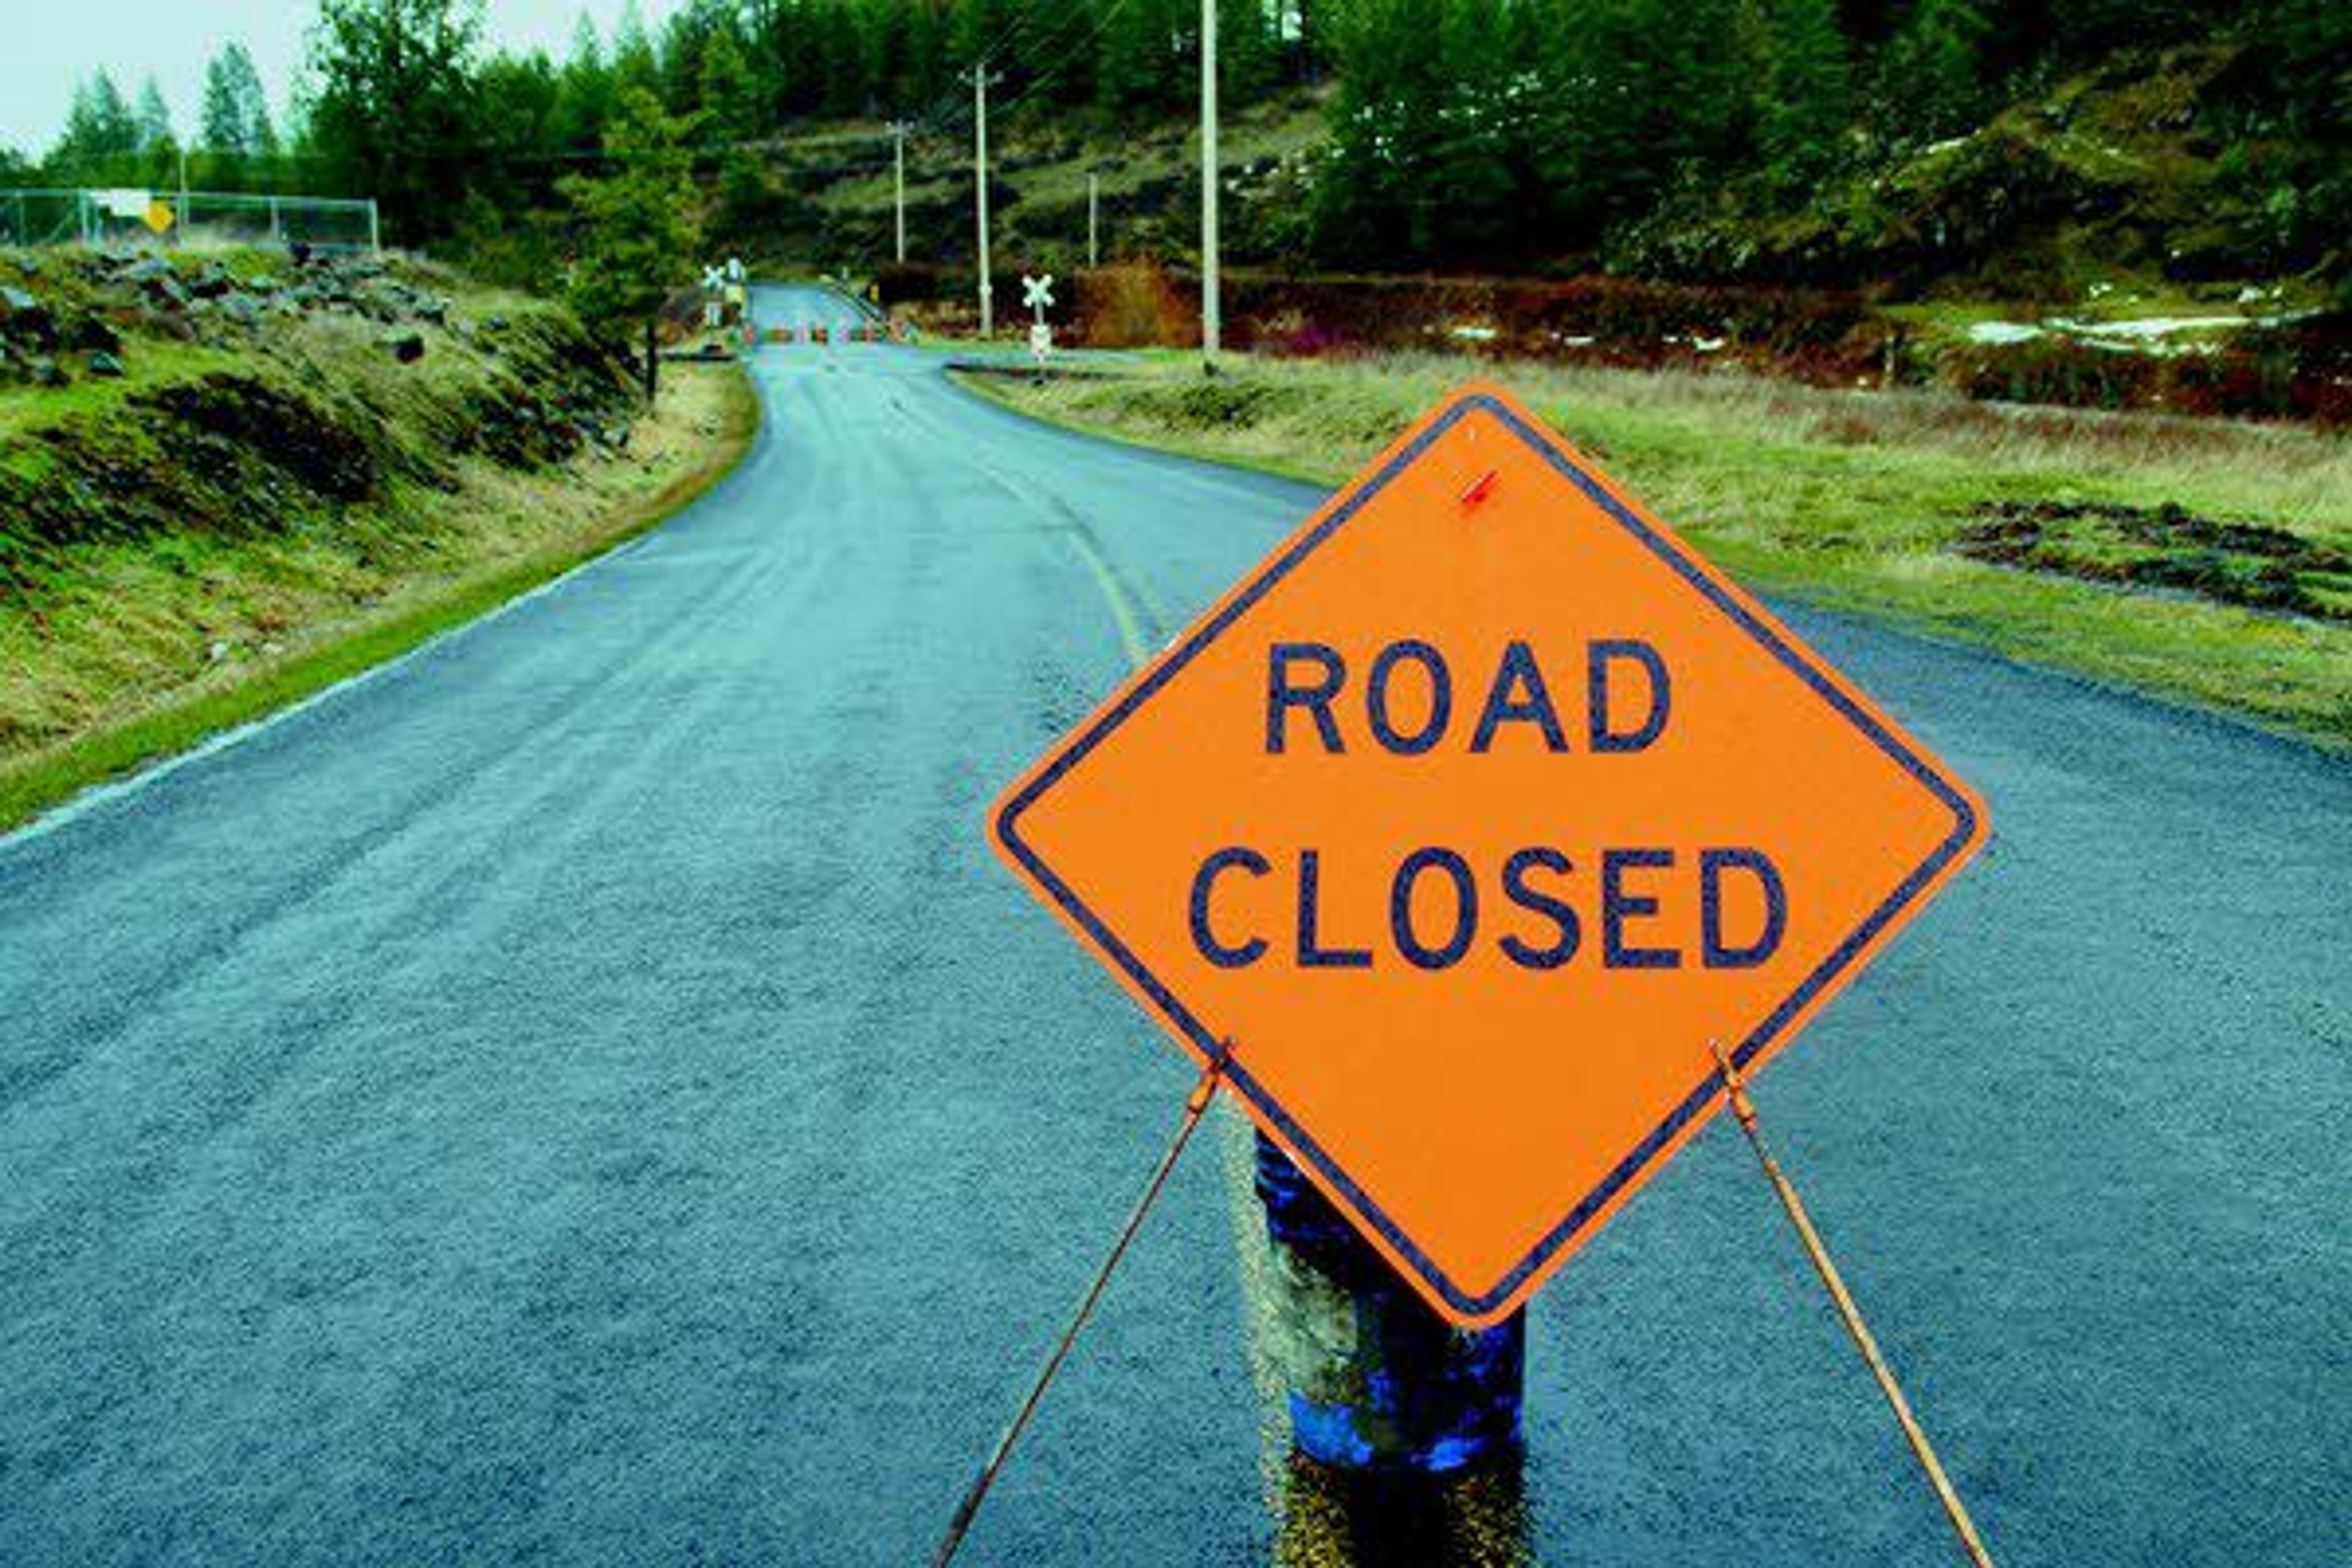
(1472, 818)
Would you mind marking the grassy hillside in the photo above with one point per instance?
(2144, 186)
(2133, 236)
(2135, 188)
(225, 481)
(2205, 561)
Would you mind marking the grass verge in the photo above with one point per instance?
(1859, 501)
(512, 532)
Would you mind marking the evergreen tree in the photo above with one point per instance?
(1247, 59)
(1803, 110)
(395, 115)
(235, 121)
(840, 58)
(518, 101)
(584, 93)
(680, 52)
(727, 91)
(1375, 195)
(638, 231)
(1931, 69)
(635, 63)
(153, 119)
(1479, 144)
(100, 137)
(1135, 61)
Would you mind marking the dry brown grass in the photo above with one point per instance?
(1850, 498)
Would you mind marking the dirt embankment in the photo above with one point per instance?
(216, 468)
(152, 399)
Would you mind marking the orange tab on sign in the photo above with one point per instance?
(1474, 816)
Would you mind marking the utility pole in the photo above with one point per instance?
(899, 183)
(982, 79)
(1211, 309)
(1094, 202)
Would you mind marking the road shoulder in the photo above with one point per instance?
(567, 515)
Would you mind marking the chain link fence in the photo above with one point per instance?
(196, 218)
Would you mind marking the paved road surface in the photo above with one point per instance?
(586, 1094)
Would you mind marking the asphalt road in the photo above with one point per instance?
(586, 1094)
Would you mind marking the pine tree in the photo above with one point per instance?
(1247, 60)
(1931, 69)
(154, 119)
(100, 134)
(635, 63)
(394, 113)
(1477, 147)
(1133, 62)
(235, 121)
(727, 93)
(585, 92)
(1376, 197)
(638, 231)
(1802, 112)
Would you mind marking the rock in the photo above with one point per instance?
(142, 270)
(102, 364)
(97, 334)
(262, 284)
(407, 347)
(154, 278)
(242, 309)
(45, 372)
(211, 281)
(27, 318)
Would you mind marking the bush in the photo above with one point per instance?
(1132, 305)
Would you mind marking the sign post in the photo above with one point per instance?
(1037, 293)
(1474, 818)
(714, 307)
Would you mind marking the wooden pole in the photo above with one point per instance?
(1212, 313)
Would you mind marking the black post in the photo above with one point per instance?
(653, 358)
(1379, 1382)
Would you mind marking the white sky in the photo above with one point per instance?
(45, 48)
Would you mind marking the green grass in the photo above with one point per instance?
(1851, 501)
(499, 536)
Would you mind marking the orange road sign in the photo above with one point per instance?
(1474, 816)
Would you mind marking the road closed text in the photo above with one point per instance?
(1537, 905)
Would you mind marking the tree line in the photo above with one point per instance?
(1470, 129)
(1461, 131)
(401, 100)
